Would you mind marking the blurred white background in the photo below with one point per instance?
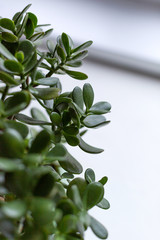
(125, 33)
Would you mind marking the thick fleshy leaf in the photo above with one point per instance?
(20, 56)
(76, 75)
(17, 103)
(20, 127)
(22, 26)
(94, 121)
(104, 204)
(94, 194)
(41, 142)
(7, 78)
(70, 164)
(76, 198)
(73, 63)
(4, 51)
(32, 63)
(59, 152)
(81, 185)
(29, 28)
(65, 41)
(20, 14)
(71, 130)
(103, 180)
(77, 96)
(11, 144)
(13, 66)
(31, 121)
(71, 139)
(10, 165)
(33, 18)
(51, 46)
(61, 53)
(98, 229)
(14, 209)
(45, 93)
(88, 148)
(9, 37)
(82, 47)
(55, 118)
(67, 175)
(100, 108)
(66, 206)
(7, 23)
(80, 56)
(89, 175)
(50, 81)
(68, 224)
(38, 114)
(27, 48)
(88, 95)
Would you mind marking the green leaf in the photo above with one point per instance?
(76, 75)
(55, 118)
(7, 78)
(67, 175)
(13, 66)
(42, 211)
(19, 127)
(66, 206)
(73, 63)
(28, 120)
(41, 142)
(22, 27)
(92, 121)
(76, 198)
(20, 14)
(104, 204)
(8, 165)
(18, 102)
(88, 95)
(51, 46)
(71, 130)
(100, 108)
(81, 185)
(88, 148)
(33, 18)
(14, 209)
(65, 41)
(9, 37)
(29, 28)
(48, 32)
(20, 56)
(82, 47)
(38, 114)
(77, 96)
(89, 175)
(59, 153)
(93, 195)
(71, 140)
(66, 118)
(50, 81)
(61, 53)
(45, 93)
(103, 180)
(27, 48)
(7, 23)
(4, 51)
(68, 224)
(70, 164)
(31, 64)
(11, 144)
(80, 56)
(98, 229)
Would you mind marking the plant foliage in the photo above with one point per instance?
(41, 199)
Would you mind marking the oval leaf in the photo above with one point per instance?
(7, 23)
(89, 175)
(9, 37)
(45, 93)
(50, 81)
(14, 209)
(29, 120)
(13, 66)
(94, 121)
(77, 96)
(41, 142)
(7, 78)
(98, 229)
(88, 148)
(88, 95)
(104, 204)
(76, 75)
(100, 108)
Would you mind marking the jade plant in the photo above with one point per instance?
(41, 195)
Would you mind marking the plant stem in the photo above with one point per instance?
(5, 92)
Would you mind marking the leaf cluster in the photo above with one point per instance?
(40, 198)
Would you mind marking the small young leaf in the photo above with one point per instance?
(88, 95)
(100, 108)
(55, 118)
(89, 175)
(98, 229)
(20, 56)
(103, 180)
(27, 48)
